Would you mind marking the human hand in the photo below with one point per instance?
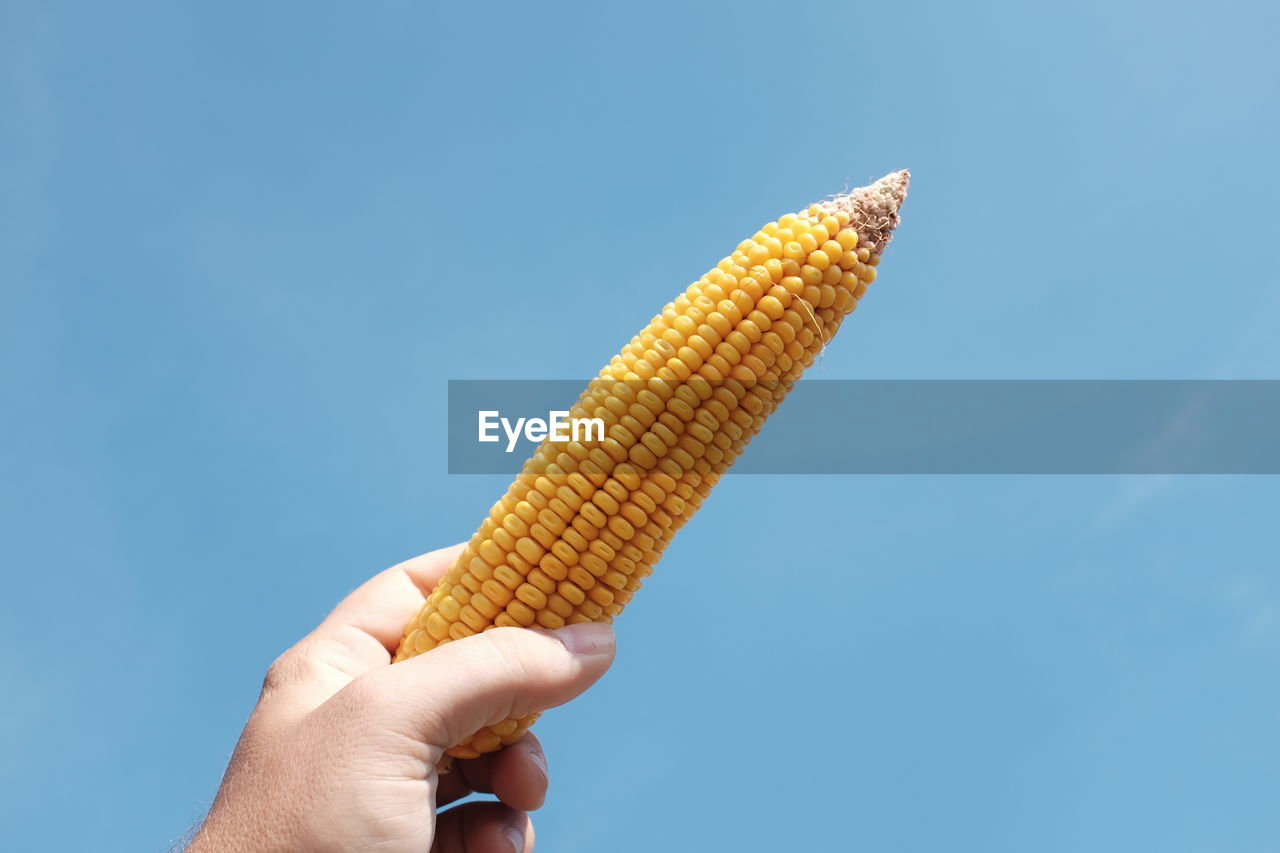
(340, 752)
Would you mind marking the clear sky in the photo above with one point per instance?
(243, 246)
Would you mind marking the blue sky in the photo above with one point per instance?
(243, 246)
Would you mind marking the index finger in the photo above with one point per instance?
(381, 607)
(360, 634)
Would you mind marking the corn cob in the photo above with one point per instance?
(584, 522)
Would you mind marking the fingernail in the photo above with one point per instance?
(539, 760)
(516, 837)
(587, 638)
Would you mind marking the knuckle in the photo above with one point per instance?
(284, 670)
(296, 664)
(507, 653)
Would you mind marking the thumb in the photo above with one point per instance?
(458, 688)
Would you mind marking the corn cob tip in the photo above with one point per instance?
(873, 209)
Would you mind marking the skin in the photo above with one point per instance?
(340, 752)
